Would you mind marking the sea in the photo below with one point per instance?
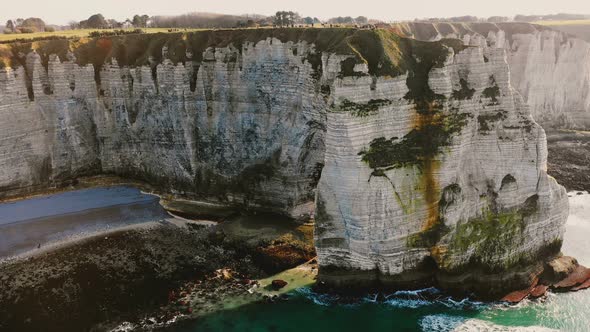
(26, 225)
(420, 310)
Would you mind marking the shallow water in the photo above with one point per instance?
(46, 220)
(410, 311)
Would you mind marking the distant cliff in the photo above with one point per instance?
(427, 164)
(549, 68)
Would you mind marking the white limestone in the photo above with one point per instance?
(550, 69)
(257, 126)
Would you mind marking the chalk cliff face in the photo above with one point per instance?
(240, 126)
(451, 189)
(550, 69)
(430, 166)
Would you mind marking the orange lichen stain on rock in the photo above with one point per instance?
(438, 252)
(431, 191)
(429, 183)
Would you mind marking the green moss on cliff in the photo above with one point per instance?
(493, 237)
(362, 109)
(429, 237)
(420, 144)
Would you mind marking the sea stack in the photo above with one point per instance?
(423, 163)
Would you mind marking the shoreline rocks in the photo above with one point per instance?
(278, 284)
(426, 162)
(562, 274)
(130, 274)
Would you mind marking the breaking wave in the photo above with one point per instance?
(448, 323)
(401, 299)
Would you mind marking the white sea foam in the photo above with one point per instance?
(448, 323)
(401, 299)
(318, 298)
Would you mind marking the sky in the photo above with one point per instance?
(63, 11)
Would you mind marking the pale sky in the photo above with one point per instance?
(63, 11)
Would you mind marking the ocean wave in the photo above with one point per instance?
(448, 323)
(400, 299)
(318, 298)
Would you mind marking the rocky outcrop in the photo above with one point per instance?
(549, 68)
(560, 275)
(433, 168)
(436, 176)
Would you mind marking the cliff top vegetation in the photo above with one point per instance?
(385, 51)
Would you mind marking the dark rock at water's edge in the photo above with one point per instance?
(127, 275)
(278, 284)
(561, 274)
(247, 118)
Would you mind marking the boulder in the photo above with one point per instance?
(561, 267)
(539, 291)
(278, 284)
(579, 276)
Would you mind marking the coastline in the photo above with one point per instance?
(98, 279)
(186, 231)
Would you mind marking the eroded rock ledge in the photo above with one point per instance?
(427, 163)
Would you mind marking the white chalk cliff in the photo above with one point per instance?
(433, 168)
(549, 68)
(457, 194)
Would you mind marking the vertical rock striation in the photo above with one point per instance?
(241, 126)
(549, 68)
(430, 166)
(441, 178)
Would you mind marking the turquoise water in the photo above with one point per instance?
(308, 312)
(410, 311)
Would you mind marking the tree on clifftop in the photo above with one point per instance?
(140, 21)
(284, 18)
(10, 27)
(361, 20)
(32, 24)
(96, 21)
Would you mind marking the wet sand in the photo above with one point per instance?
(44, 221)
(113, 254)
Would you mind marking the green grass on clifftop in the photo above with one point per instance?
(386, 53)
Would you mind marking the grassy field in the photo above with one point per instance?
(74, 33)
(578, 28)
(561, 23)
